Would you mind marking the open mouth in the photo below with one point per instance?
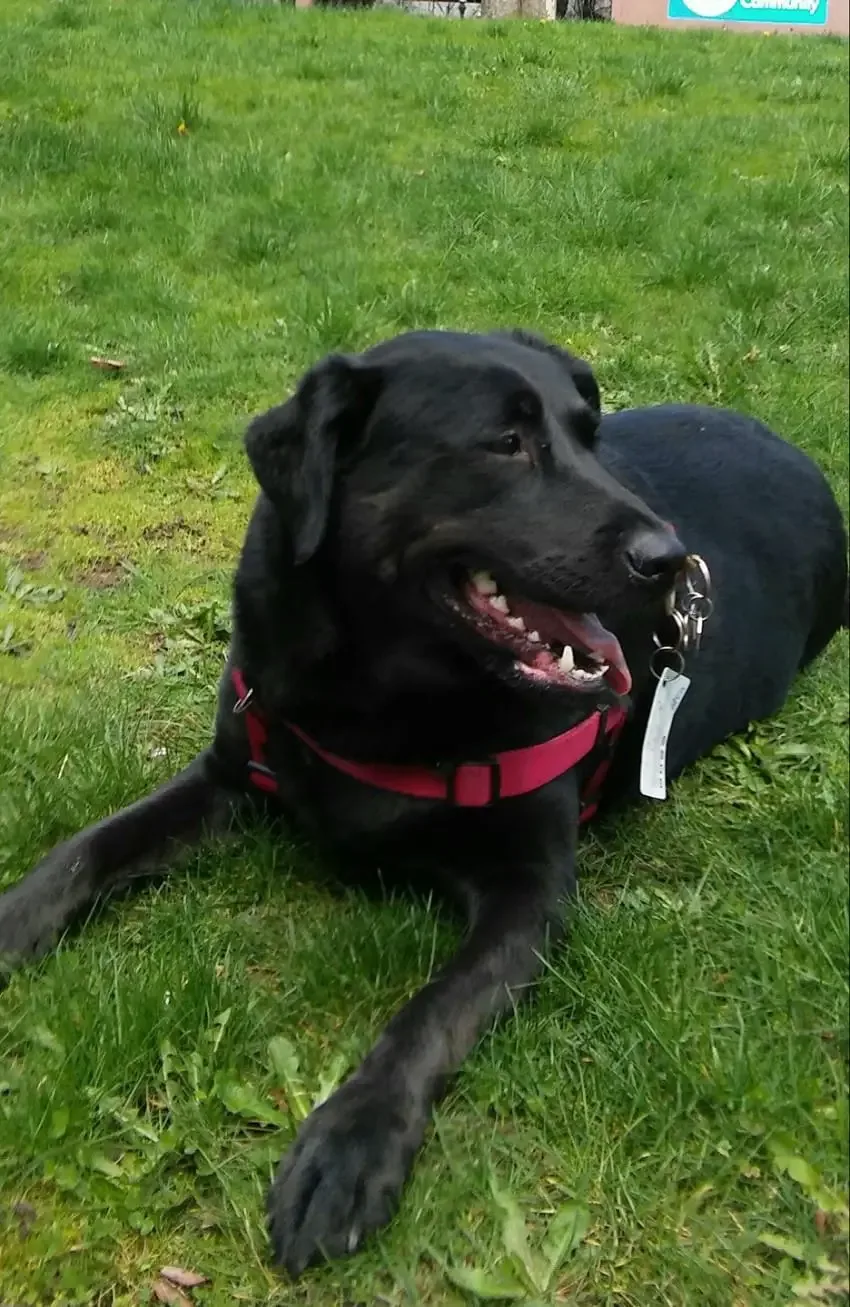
(560, 647)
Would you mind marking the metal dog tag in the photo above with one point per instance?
(670, 690)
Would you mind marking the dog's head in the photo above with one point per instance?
(447, 483)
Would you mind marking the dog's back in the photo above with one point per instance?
(764, 517)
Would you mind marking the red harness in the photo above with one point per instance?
(466, 784)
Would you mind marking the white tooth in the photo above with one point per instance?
(583, 675)
(500, 603)
(567, 662)
(517, 623)
(484, 583)
(534, 637)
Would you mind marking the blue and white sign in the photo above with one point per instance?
(811, 13)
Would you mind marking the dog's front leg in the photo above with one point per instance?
(345, 1172)
(142, 840)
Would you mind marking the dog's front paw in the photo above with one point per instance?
(36, 911)
(343, 1176)
(26, 930)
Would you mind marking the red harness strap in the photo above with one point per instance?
(467, 784)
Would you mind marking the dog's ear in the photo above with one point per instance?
(294, 448)
(580, 371)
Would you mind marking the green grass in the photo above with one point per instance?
(674, 206)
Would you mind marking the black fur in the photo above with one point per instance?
(382, 476)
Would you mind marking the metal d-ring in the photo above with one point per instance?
(697, 563)
(241, 704)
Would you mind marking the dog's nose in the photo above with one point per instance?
(655, 555)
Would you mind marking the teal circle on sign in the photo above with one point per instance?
(811, 13)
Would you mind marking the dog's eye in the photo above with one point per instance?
(509, 445)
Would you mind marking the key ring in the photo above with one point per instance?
(689, 611)
(675, 660)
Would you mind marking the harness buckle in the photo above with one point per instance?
(451, 769)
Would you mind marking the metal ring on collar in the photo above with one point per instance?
(694, 563)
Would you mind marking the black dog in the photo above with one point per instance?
(452, 587)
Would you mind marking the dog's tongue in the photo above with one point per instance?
(582, 629)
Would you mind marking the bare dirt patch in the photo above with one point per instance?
(102, 574)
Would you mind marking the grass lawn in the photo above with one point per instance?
(216, 195)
